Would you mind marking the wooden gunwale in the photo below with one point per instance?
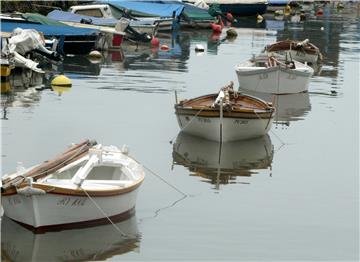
(216, 114)
(244, 107)
(50, 189)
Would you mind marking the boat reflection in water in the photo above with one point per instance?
(222, 165)
(79, 65)
(87, 244)
(289, 108)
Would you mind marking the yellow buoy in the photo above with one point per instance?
(61, 80)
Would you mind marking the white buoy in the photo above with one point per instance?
(322, 28)
(199, 48)
(95, 54)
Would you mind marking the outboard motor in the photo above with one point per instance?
(123, 25)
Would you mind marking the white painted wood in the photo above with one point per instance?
(232, 128)
(275, 79)
(111, 171)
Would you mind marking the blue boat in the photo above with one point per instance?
(72, 40)
(149, 8)
(191, 16)
(274, 5)
(239, 7)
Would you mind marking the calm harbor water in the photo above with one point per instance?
(291, 195)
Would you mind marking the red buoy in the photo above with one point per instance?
(155, 41)
(216, 28)
(319, 12)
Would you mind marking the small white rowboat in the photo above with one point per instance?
(88, 184)
(226, 116)
(302, 51)
(274, 74)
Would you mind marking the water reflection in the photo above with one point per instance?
(145, 57)
(223, 165)
(289, 108)
(79, 65)
(90, 244)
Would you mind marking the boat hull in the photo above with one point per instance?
(232, 128)
(61, 210)
(244, 9)
(275, 80)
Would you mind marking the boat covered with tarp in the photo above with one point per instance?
(72, 40)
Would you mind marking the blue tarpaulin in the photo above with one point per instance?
(70, 17)
(158, 9)
(47, 30)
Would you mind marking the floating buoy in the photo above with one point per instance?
(229, 17)
(322, 28)
(95, 54)
(61, 80)
(319, 12)
(216, 28)
(199, 48)
(259, 18)
(231, 32)
(155, 42)
(164, 47)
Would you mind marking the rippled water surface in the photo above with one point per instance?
(291, 195)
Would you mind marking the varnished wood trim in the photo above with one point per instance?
(77, 192)
(214, 113)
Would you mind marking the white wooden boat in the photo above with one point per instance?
(226, 116)
(64, 191)
(86, 244)
(274, 74)
(302, 51)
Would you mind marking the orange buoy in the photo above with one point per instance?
(154, 41)
(164, 47)
(216, 28)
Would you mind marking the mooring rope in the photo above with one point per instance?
(166, 182)
(187, 124)
(105, 215)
